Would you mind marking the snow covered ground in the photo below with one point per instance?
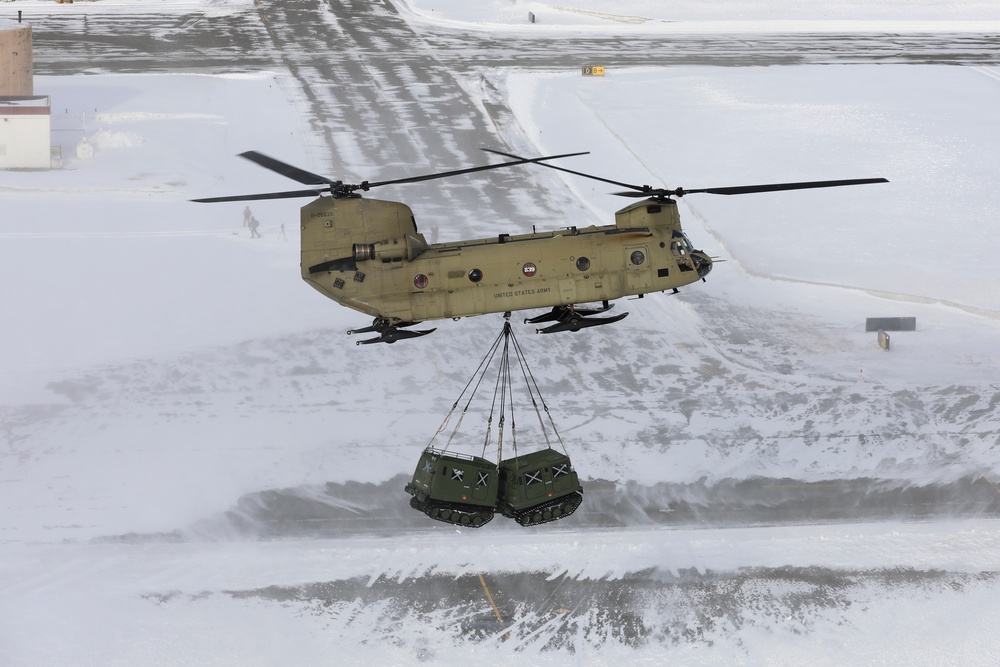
(166, 378)
(637, 16)
(816, 594)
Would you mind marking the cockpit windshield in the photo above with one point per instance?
(680, 244)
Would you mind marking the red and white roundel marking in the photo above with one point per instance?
(529, 269)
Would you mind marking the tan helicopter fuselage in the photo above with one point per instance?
(367, 254)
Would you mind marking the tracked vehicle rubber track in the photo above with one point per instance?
(456, 514)
(560, 508)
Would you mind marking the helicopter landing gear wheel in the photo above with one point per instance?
(379, 324)
(570, 318)
(389, 332)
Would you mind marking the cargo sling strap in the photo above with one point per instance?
(510, 358)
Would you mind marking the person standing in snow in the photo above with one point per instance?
(253, 228)
(246, 217)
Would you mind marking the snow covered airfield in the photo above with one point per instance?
(199, 467)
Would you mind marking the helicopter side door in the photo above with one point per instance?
(567, 290)
(428, 305)
(428, 299)
(637, 272)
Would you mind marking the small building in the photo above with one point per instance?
(25, 132)
(16, 60)
(25, 118)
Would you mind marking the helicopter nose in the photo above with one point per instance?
(702, 263)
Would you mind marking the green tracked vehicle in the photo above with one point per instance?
(538, 488)
(454, 488)
(464, 490)
(531, 489)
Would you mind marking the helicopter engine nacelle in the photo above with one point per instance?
(408, 248)
(353, 248)
(358, 230)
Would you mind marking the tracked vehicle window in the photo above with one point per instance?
(560, 469)
(482, 478)
(458, 474)
(534, 477)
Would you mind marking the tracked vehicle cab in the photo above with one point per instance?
(454, 488)
(538, 487)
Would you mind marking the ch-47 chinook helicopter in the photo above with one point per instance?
(367, 254)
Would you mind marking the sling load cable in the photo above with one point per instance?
(526, 371)
(504, 389)
(438, 489)
(506, 385)
(493, 405)
(486, 361)
(529, 383)
(561, 490)
(512, 499)
(508, 390)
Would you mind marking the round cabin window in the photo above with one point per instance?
(420, 281)
(583, 263)
(475, 275)
(637, 257)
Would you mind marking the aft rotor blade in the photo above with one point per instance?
(647, 191)
(267, 195)
(285, 169)
(777, 187)
(642, 189)
(469, 170)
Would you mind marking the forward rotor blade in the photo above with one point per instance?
(268, 195)
(341, 189)
(468, 170)
(641, 188)
(640, 195)
(777, 187)
(285, 169)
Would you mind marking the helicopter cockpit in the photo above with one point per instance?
(681, 248)
(689, 259)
